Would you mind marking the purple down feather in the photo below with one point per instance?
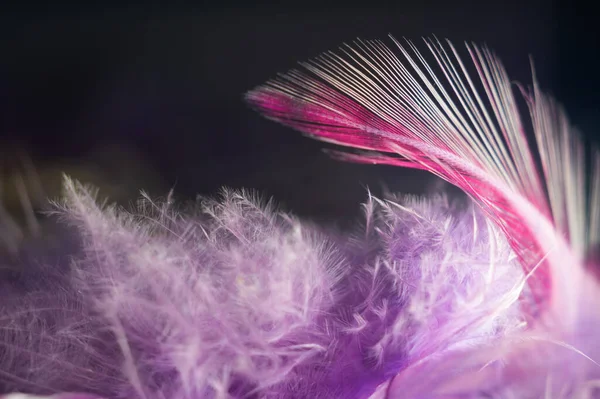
(237, 300)
(231, 298)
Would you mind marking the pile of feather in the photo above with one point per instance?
(491, 297)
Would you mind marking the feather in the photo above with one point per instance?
(235, 299)
(366, 97)
(408, 112)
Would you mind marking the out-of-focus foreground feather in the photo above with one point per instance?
(234, 299)
(432, 298)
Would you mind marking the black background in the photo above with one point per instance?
(166, 83)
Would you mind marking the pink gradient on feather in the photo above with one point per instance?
(367, 98)
(349, 130)
(315, 121)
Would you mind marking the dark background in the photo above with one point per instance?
(130, 97)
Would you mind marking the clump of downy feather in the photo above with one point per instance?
(50, 340)
(217, 303)
(236, 299)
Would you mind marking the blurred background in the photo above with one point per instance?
(131, 97)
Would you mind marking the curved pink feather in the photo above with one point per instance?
(471, 135)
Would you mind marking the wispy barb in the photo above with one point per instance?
(469, 131)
